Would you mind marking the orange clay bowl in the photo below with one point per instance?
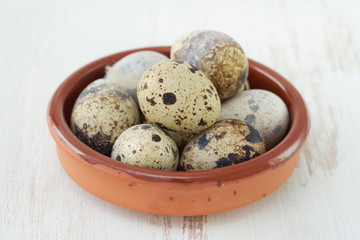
(172, 192)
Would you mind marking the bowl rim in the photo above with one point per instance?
(280, 154)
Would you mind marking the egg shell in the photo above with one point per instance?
(261, 108)
(218, 55)
(147, 146)
(128, 70)
(178, 96)
(101, 113)
(226, 143)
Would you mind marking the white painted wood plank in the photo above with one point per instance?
(315, 44)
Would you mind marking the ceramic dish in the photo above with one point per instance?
(176, 193)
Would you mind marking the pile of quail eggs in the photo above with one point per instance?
(194, 111)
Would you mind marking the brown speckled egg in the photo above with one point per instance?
(263, 109)
(102, 111)
(218, 55)
(226, 143)
(178, 97)
(147, 146)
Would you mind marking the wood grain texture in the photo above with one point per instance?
(314, 44)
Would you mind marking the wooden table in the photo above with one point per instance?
(315, 44)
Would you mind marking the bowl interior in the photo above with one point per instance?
(260, 77)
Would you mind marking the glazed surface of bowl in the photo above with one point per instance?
(171, 192)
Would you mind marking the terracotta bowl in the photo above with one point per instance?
(171, 192)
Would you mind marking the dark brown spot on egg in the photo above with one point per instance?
(193, 69)
(102, 99)
(178, 122)
(203, 142)
(170, 198)
(205, 97)
(209, 199)
(156, 138)
(254, 108)
(144, 127)
(202, 122)
(209, 108)
(169, 98)
(161, 80)
(249, 153)
(133, 151)
(175, 152)
(223, 162)
(189, 167)
(254, 135)
(277, 129)
(99, 142)
(220, 136)
(145, 86)
(250, 118)
(234, 157)
(118, 158)
(151, 101)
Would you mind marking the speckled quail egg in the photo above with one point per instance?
(178, 96)
(218, 55)
(102, 111)
(264, 109)
(146, 145)
(128, 70)
(226, 143)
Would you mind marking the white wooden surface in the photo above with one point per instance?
(313, 43)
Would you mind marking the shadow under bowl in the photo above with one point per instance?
(172, 192)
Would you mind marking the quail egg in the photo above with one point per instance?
(128, 70)
(101, 112)
(148, 146)
(178, 96)
(226, 143)
(263, 109)
(218, 55)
